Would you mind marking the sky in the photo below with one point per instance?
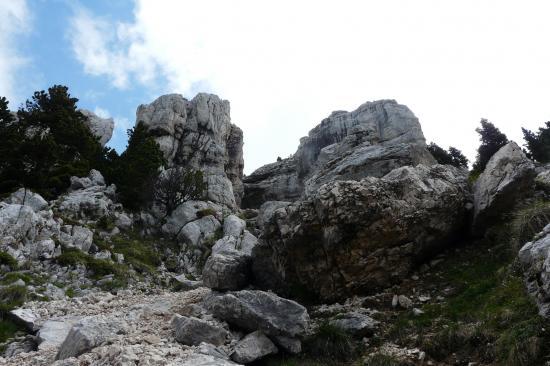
(285, 65)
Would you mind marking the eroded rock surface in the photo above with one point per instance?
(355, 236)
(508, 176)
(198, 134)
(371, 141)
(102, 128)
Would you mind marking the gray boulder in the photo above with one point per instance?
(102, 128)
(54, 332)
(89, 333)
(192, 331)
(226, 272)
(357, 236)
(259, 310)
(354, 323)
(27, 318)
(25, 197)
(508, 176)
(253, 347)
(76, 237)
(233, 226)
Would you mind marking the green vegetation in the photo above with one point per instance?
(11, 297)
(491, 141)
(489, 318)
(527, 222)
(177, 185)
(49, 144)
(98, 267)
(330, 343)
(8, 260)
(538, 143)
(381, 360)
(206, 212)
(452, 157)
(134, 172)
(106, 222)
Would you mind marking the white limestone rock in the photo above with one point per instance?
(102, 128)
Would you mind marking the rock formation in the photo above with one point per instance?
(508, 176)
(198, 134)
(102, 128)
(360, 236)
(371, 141)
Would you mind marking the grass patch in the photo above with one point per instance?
(331, 343)
(140, 252)
(11, 277)
(72, 257)
(8, 329)
(106, 222)
(527, 222)
(489, 318)
(11, 297)
(381, 360)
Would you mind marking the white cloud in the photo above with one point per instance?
(14, 21)
(285, 65)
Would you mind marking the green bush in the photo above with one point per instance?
(527, 222)
(11, 297)
(106, 222)
(8, 260)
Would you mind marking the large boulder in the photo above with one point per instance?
(371, 141)
(198, 134)
(535, 261)
(193, 331)
(25, 197)
(250, 310)
(102, 128)
(359, 236)
(508, 176)
(89, 333)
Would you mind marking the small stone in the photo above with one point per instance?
(395, 301)
(405, 302)
(417, 312)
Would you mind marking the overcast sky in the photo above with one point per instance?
(285, 65)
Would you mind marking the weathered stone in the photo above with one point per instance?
(204, 360)
(253, 347)
(25, 197)
(358, 324)
(24, 346)
(198, 134)
(26, 317)
(89, 333)
(352, 236)
(371, 141)
(535, 261)
(233, 226)
(259, 310)
(54, 332)
(508, 176)
(226, 271)
(192, 331)
(102, 128)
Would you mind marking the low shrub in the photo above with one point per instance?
(7, 260)
(331, 342)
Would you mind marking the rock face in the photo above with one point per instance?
(102, 128)
(371, 141)
(357, 236)
(198, 134)
(535, 260)
(508, 176)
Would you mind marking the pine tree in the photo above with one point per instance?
(491, 141)
(538, 144)
(457, 158)
(137, 168)
(452, 157)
